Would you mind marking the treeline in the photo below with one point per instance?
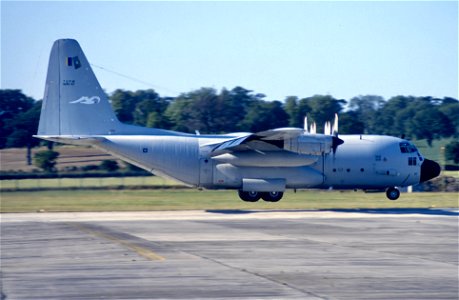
(210, 111)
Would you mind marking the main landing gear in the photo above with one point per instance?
(392, 193)
(255, 196)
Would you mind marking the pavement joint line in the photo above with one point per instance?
(142, 251)
(266, 277)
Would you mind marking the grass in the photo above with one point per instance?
(187, 199)
(435, 152)
(454, 174)
(86, 182)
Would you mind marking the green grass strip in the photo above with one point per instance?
(188, 199)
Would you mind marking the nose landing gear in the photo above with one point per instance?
(392, 193)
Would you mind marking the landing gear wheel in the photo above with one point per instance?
(249, 196)
(272, 196)
(392, 193)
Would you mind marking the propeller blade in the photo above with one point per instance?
(335, 126)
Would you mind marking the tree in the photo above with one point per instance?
(349, 123)
(297, 110)
(264, 115)
(452, 152)
(23, 126)
(450, 108)
(366, 108)
(109, 165)
(385, 119)
(124, 103)
(303, 111)
(149, 102)
(158, 120)
(12, 104)
(211, 112)
(177, 113)
(196, 110)
(46, 160)
(430, 125)
(240, 99)
(323, 109)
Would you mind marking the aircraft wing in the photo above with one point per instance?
(280, 134)
(269, 140)
(280, 139)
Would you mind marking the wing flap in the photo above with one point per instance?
(280, 133)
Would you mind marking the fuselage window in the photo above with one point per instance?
(411, 161)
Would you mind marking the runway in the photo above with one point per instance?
(353, 254)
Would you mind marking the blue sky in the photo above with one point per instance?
(280, 49)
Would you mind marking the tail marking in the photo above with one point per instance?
(87, 100)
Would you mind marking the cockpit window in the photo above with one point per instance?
(407, 147)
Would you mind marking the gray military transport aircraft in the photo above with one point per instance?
(259, 165)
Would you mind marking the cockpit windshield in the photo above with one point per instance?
(406, 147)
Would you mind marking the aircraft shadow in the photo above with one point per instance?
(388, 211)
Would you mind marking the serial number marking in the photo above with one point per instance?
(68, 82)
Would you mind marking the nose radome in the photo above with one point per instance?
(429, 170)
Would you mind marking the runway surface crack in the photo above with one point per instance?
(265, 277)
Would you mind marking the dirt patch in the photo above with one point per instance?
(15, 159)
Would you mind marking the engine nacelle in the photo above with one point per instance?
(230, 176)
(312, 144)
(267, 159)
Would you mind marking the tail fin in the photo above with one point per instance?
(74, 103)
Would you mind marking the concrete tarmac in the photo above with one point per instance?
(347, 254)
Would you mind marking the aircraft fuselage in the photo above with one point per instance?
(361, 162)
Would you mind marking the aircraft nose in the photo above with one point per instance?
(429, 170)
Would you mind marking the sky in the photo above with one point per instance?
(279, 49)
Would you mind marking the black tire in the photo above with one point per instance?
(249, 196)
(272, 196)
(392, 193)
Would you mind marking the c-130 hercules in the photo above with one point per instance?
(259, 165)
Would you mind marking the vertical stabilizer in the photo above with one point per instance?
(74, 103)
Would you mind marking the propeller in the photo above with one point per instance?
(336, 141)
(328, 130)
